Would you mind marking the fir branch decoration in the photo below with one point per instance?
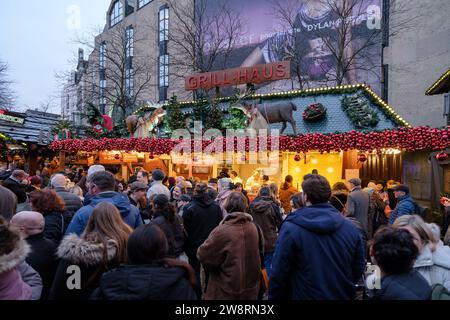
(359, 111)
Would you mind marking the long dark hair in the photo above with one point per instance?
(147, 245)
(163, 207)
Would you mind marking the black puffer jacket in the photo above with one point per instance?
(406, 286)
(200, 217)
(72, 202)
(174, 233)
(42, 258)
(144, 282)
(18, 189)
(56, 224)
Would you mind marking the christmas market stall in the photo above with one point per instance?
(24, 139)
(340, 132)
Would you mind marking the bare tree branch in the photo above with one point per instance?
(7, 95)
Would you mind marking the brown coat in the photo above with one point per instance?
(231, 254)
(285, 198)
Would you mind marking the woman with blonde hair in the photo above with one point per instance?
(101, 247)
(433, 262)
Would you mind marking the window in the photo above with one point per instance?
(116, 14)
(164, 24)
(144, 2)
(102, 76)
(385, 24)
(129, 49)
(164, 71)
(163, 56)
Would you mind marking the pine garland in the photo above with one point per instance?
(359, 111)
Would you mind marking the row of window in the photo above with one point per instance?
(163, 68)
(117, 12)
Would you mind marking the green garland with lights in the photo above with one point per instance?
(366, 90)
(358, 110)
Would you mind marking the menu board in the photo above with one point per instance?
(110, 158)
(130, 158)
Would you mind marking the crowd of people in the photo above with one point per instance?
(80, 235)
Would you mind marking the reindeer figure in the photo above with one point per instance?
(261, 116)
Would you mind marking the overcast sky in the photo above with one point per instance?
(36, 40)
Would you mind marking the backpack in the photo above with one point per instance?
(420, 211)
(439, 292)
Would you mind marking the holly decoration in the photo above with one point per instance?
(359, 111)
(315, 112)
(442, 156)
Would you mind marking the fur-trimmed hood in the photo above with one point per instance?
(80, 251)
(14, 258)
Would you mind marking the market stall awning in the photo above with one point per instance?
(442, 85)
(31, 126)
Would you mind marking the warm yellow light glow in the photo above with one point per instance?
(330, 169)
(314, 161)
(297, 170)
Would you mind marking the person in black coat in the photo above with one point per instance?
(394, 252)
(14, 183)
(51, 206)
(265, 194)
(101, 247)
(151, 274)
(165, 217)
(42, 256)
(200, 217)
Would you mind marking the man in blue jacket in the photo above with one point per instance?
(405, 205)
(319, 254)
(101, 187)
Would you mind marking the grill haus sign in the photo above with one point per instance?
(224, 78)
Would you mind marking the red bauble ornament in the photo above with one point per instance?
(442, 156)
(362, 157)
(117, 156)
(297, 157)
(152, 157)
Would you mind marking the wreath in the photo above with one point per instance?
(314, 112)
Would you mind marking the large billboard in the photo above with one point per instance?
(327, 41)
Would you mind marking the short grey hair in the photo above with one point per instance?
(19, 173)
(355, 181)
(95, 168)
(225, 183)
(58, 180)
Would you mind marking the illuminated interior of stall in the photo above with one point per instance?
(328, 165)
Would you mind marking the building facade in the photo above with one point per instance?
(129, 64)
(415, 57)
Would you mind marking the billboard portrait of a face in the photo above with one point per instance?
(328, 42)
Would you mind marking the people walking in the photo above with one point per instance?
(358, 203)
(101, 187)
(405, 205)
(200, 217)
(394, 252)
(150, 274)
(305, 264)
(231, 254)
(287, 190)
(101, 247)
